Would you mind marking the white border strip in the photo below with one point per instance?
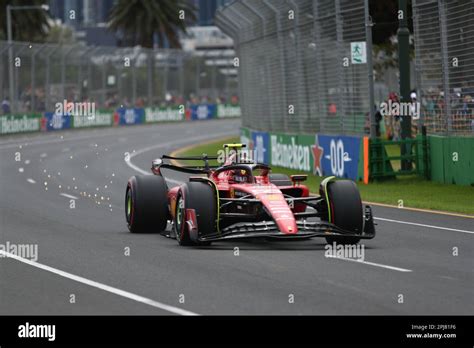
(423, 225)
(372, 264)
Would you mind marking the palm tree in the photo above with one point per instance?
(140, 20)
(27, 25)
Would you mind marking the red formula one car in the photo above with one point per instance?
(242, 199)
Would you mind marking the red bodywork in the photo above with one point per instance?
(271, 196)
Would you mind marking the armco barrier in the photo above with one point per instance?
(452, 159)
(20, 123)
(49, 121)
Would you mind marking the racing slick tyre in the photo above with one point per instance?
(345, 207)
(146, 204)
(280, 179)
(199, 196)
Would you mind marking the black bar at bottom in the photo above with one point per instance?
(240, 330)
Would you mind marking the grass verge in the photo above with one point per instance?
(411, 191)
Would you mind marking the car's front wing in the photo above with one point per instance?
(306, 230)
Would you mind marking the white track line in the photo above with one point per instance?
(68, 196)
(31, 181)
(144, 172)
(134, 167)
(423, 225)
(101, 286)
(372, 264)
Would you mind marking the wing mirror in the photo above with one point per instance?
(296, 179)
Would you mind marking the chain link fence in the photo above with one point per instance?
(296, 71)
(444, 41)
(45, 74)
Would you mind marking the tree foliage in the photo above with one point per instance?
(385, 17)
(138, 21)
(27, 25)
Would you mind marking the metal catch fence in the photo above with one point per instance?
(41, 75)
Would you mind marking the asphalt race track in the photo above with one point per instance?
(82, 251)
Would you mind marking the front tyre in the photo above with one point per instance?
(146, 204)
(200, 198)
(345, 210)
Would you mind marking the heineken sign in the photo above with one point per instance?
(164, 114)
(101, 118)
(19, 123)
(288, 152)
(228, 110)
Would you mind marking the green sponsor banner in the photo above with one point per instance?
(245, 136)
(100, 118)
(164, 114)
(452, 159)
(459, 160)
(228, 110)
(308, 142)
(19, 123)
(292, 151)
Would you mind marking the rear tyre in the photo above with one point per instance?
(199, 196)
(345, 207)
(146, 204)
(280, 179)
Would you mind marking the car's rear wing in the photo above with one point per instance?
(203, 157)
(159, 164)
